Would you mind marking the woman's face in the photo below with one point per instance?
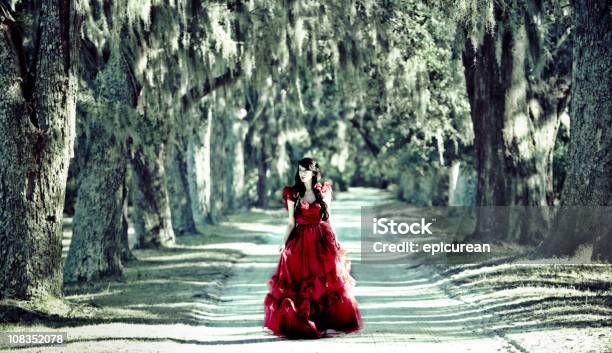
(305, 174)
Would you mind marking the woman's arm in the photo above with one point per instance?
(291, 222)
(327, 199)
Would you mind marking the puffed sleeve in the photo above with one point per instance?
(288, 194)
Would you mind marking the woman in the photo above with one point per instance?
(310, 290)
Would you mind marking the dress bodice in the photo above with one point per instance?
(310, 213)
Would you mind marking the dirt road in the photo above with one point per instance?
(404, 308)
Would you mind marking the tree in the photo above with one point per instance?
(515, 109)
(176, 177)
(39, 52)
(589, 178)
(96, 246)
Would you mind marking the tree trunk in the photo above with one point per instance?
(341, 153)
(198, 169)
(152, 218)
(513, 145)
(234, 190)
(589, 176)
(602, 247)
(216, 124)
(262, 174)
(124, 241)
(178, 186)
(37, 121)
(95, 248)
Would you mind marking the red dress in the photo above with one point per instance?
(310, 290)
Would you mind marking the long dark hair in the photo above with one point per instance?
(300, 188)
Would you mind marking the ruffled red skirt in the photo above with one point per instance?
(310, 290)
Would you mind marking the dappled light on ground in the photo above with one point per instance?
(207, 293)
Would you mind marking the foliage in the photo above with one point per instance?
(372, 89)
